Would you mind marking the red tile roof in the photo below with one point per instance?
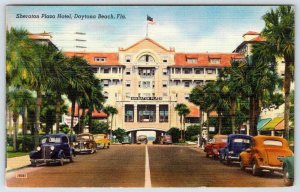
(194, 112)
(251, 33)
(258, 39)
(95, 113)
(203, 59)
(111, 58)
(37, 36)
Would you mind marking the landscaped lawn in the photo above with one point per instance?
(10, 153)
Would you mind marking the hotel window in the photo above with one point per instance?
(165, 83)
(177, 70)
(105, 82)
(114, 70)
(100, 59)
(211, 71)
(198, 82)
(165, 71)
(153, 84)
(140, 83)
(106, 70)
(128, 58)
(187, 84)
(105, 94)
(191, 60)
(146, 84)
(199, 71)
(128, 71)
(146, 113)
(187, 71)
(146, 58)
(146, 72)
(128, 83)
(215, 61)
(95, 69)
(176, 82)
(187, 96)
(163, 113)
(129, 113)
(165, 59)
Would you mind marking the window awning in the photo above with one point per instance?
(272, 124)
(262, 122)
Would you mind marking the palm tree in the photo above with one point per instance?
(183, 111)
(279, 32)
(14, 103)
(197, 97)
(110, 111)
(80, 81)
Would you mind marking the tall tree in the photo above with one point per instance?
(110, 111)
(183, 111)
(279, 32)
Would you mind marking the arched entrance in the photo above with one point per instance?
(151, 133)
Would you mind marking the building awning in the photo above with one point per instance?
(280, 126)
(262, 122)
(272, 124)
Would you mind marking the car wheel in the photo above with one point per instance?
(242, 166)
(61, 161)
(255, 169)
(108, 146)
(33, 164)
(221, 158)
(71, 158)
(286, 180)
(226, 160)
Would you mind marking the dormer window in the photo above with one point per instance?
(100, 59)
(215, 61)
(128, 59)
(191, 60)
(147, 59)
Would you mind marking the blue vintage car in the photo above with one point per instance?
(236, 143)
(52, 149)
(288, 170)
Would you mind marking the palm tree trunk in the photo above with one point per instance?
(112, 117)
(208, 125)
(183, 127)
(82, 123)
(220, 122)
(25, 119)
(15, 122)
(37, 115)
(57, 111)
(232, 115)
(78, 112)
(200, 127)
(181, 134)
(72, 115)
(254, 114)
(90, 121)
(287, 87)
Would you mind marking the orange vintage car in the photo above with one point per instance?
(212, 148)
(265, 153)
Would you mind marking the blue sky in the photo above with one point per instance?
(187, 28)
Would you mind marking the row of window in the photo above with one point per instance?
(146, 113)
(149, 84)
(150, 72)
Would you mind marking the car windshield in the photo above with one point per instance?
(99, 136)
(273, 143)
(240, 140)
(51, 140)
(85, 137)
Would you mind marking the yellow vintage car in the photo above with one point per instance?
(102, 141)
(265, 153)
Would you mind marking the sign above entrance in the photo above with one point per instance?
(146, 98)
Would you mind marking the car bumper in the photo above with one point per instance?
(82, 150)
(233, 158)
(272, 168)
(40, 161)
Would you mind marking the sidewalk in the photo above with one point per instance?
(17, 162)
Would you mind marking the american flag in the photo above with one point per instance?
(150, 20)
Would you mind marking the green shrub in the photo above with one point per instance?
(175, 133)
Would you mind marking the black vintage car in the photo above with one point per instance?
(52, 149)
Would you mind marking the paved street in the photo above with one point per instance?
(131, 166)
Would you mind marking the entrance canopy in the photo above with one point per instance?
(273, 124)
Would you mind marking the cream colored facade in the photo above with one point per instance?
(150, 79)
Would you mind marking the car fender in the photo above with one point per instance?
(60, 153)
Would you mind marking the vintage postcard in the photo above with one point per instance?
(150, 96)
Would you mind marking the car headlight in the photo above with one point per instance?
(52, 148)
(75, 143)
(84, 142)
(38, 148)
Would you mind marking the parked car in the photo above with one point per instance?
(85, 143)
(212, 148)
(52, 149)
(102, 141)
(142, 139)
(265, 153)
(167, 139)
(288, 170)
(236, 143)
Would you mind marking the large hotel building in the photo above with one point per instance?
(146, 80)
